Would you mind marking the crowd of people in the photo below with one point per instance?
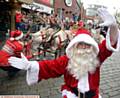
(81, 64)
(38, 20)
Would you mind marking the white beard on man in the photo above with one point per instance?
(82, 61)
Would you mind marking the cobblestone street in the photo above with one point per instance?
(109, 84)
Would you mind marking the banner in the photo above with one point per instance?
(46, 2)
(38, 7)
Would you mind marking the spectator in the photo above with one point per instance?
(81, 24)
(53, 21)
(75, 17)
(81, 64)
(18, 19)
(67, 24)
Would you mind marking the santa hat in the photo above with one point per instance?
(16, 35)
(82, 35)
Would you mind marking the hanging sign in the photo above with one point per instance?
(68, 2)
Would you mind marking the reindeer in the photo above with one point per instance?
(49, 40)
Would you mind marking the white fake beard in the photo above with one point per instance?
(82, 62)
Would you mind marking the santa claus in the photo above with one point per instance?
(81, 64)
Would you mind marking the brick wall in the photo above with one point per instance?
(71, 10)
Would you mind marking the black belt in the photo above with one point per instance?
(89, 94)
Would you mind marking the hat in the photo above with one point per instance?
(16, 35)
(82, 35)
(89, 22)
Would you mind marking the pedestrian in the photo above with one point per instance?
(81, 64)
(12, 47)
(80, 24)
(18, 19)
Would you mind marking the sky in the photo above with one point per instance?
(111, 4)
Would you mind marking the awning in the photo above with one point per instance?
(26, 1)
(38, 7)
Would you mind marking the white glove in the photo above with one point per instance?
(20, 63)
(108, 19)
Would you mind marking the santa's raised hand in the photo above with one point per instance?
(112, 34)
(107, 18)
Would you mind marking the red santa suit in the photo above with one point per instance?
(12, 47)
(55, 68)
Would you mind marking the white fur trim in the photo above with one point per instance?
(68, 94)
(32, 73)
(82, 38)
(108, 43)
(83, 84)
(11, 38)
(19, 37)
(100, 96)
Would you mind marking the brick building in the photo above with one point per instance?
(62, 9)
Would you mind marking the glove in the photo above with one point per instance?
(108, 19)
(20, 63)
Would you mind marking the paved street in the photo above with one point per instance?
(109, 84)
